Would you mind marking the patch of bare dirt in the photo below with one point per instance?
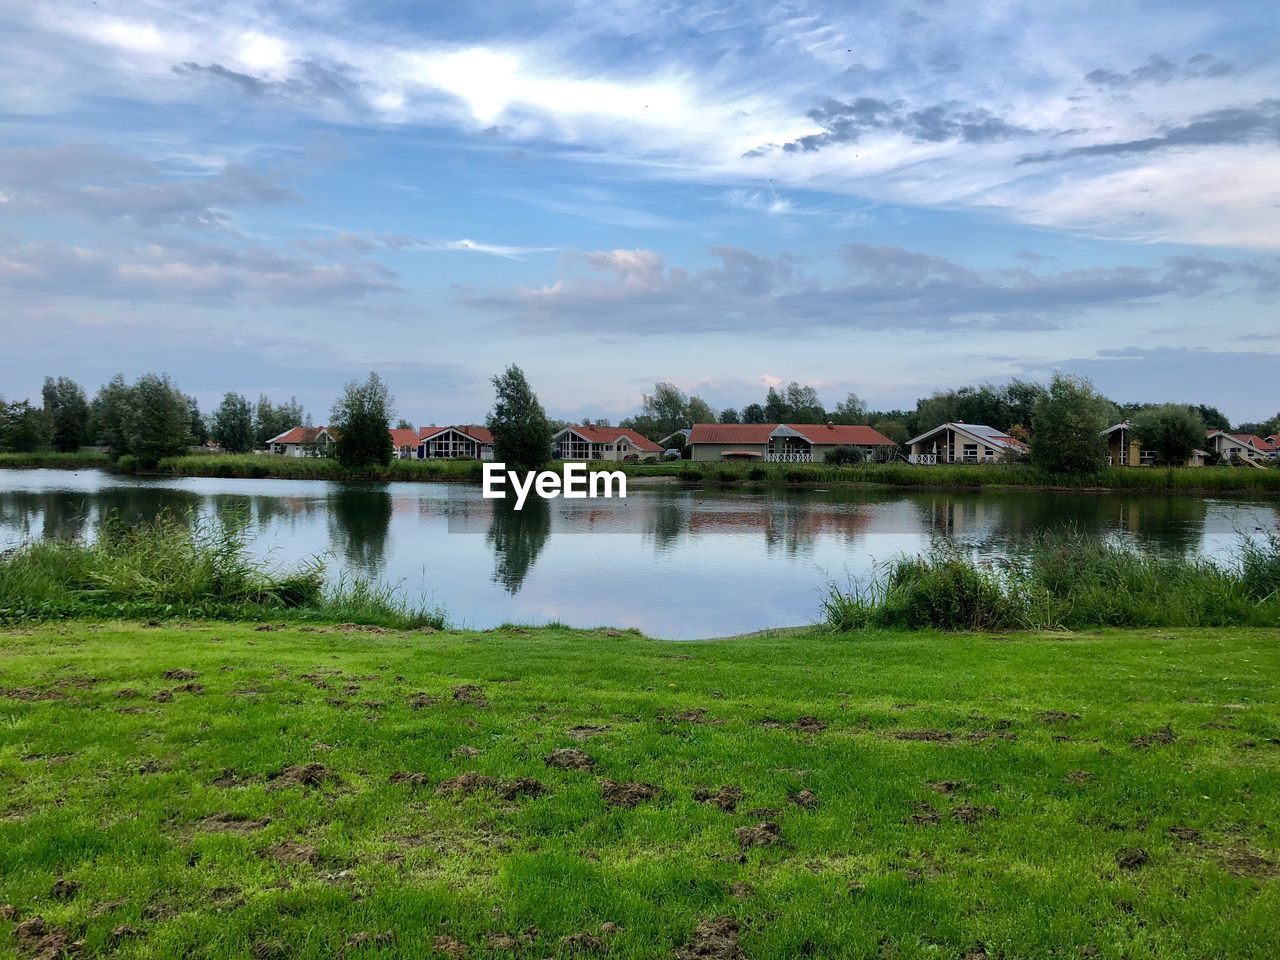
(809, 725)
(946, 786)
(180, 674)
(420, 701)
(1056, 716)
(470, 693)
(1185, 834)
(1131, 858)
(763, 834)
(163, 696)
(926, 815)
(928, 735)
(1162, 737)
(414, 779)
(1078, 776)
(569, 758)
(305, 775)
(449, 947)
(627, 794)
(1244, 862)
(190, 688)
(805, 799)
(586, 731)
(582, 942)
(232, 823)
(469, 783)
(29, 694)
(64, 889)
(290, 852)
(464, 753)
(741, 891)
(726, 798)
(127, 693)
(713, 940)
(38, 941)
(967, 813)
(694, 715)
(977, 736)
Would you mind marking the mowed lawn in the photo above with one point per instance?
(215, 790)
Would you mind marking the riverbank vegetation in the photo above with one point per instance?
(1066, 580)
(172, 567)
(54, 460)
(227, 792)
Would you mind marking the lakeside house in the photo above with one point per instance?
(964, 443)
(466, 442)
(1125, 450)
(782, 442)
(303, 442)
(1239, 448)
(404, 443)
(576, 442)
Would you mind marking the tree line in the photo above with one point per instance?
(152, 418)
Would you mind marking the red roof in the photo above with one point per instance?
(403, 437)
(299, 435)
(731, 432)
(481, 434)
(841, 434)
(1248, 439)
(613, 435)
(817, 433)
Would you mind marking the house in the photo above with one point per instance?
(964, 443)
(782, 442)
(1238, 447)
(404, 443)
(601, 443)
(1124, 449)
(670, 440)
(303, 442)
(466, 442)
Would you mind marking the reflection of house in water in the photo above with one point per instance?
(793, 524)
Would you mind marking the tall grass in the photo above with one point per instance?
(264, 465)
(188, 567)
(1066, 580)
(81, 459)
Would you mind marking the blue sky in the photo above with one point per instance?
(885, 198)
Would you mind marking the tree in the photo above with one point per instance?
(775, 407)
(1212, 418)
(109, 415)
(233, 424)
(729, 415)
(360, 420)
(803, 405)
(698, 411)
(1172, 430)
(270, 420)
(159, 419)
(1067, 425)
(23, 428)
(753, 413)
(895, 430)
(851, 411)
(667, 410)
(67, 410)
(403, 424)
(199, 428)
(521, 434)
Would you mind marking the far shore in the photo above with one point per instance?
(1203, 481)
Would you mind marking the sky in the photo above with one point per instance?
(884, 198)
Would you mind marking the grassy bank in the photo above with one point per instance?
(81, 460)
(947, 476)
(175, 567)
(1066, 579)
(220, 791)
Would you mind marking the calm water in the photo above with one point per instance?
(673, 562)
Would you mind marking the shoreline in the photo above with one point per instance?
(694, 474)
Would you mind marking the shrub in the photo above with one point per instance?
(758, 474)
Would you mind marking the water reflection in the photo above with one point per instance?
(517, 537)
(671, 560)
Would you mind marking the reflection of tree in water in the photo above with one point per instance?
(670, 520)
(359, 519)
(518, 536)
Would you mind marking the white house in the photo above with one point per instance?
(455, 443)
(303, 442)
(964, 443)
(1239, 447)
(601, 443)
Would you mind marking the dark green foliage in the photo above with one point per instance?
(845, 456)
(270, 420)
(521, 434)
(667, 410)
(67, 410)
(159, 421)
(360, 420)
(753, 413)
(232, 425)
(1172, 430)
(23, 428)
(1068, 580)
(729, 415)
(1067, 425)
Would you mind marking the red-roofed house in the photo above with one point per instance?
(601, 443)
(964, 443)
(1238, 447)
(782, 442)
(404, 443)
(303, 442)
(466, 442)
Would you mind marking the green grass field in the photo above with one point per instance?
(216, 790)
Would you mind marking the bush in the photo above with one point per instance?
(845, 456)
(758, 474)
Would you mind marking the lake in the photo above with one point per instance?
(672, 561)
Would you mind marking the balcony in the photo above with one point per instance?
(789, 457)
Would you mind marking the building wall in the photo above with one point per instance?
(715, 451)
